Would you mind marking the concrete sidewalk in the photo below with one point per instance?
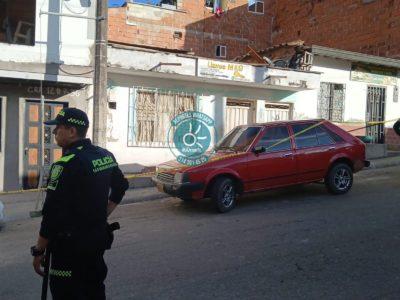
(18, 206)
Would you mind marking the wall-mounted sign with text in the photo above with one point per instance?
(225, 70)
(374, 74)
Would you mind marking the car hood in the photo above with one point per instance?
(173, 166)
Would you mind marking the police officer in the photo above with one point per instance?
(83, 188)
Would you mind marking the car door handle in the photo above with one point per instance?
(331, 148)
(286, 154)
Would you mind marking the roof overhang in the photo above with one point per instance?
(355, 56)
(202, 80)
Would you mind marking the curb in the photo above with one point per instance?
(150, 197)
(384, 162)
(140, 182)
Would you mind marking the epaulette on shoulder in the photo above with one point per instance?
(66, 158)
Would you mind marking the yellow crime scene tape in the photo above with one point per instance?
(147, 174)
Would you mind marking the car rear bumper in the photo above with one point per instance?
(183, 190)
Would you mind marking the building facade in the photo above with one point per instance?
(364, 26)
(148, 88)
(216, 29)
(45, 65)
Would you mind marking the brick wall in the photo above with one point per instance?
(200, 29)
(366, 26)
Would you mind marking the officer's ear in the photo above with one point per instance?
(72, 131)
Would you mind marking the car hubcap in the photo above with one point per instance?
(228, 195)
(342, 179)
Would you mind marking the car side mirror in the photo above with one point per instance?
(258, 149)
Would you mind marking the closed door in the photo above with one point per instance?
(376, 113)
(33, 155)
(277, 112)
(314, 150)
(276, 166)
(238, 113)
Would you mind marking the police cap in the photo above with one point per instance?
(70, 116)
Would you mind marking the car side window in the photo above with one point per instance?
(334, 136)
(305, 136)
(323, 136)
(275, 139)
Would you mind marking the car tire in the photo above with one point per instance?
(223, 194)
(339, 179)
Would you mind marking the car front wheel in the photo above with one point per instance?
(339, 179)
(224, 194)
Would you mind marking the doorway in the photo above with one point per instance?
(238, 112)
(33, 155)
(376, 98)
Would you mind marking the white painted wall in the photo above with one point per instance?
(149, 60)
(304, 104)
(61, 40)
(117, 136)
(392, 108)
(338, 71)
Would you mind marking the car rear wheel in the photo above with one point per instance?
(339, 179)
(224, 194)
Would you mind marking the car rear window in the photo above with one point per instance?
(275, 139)
(305, 135)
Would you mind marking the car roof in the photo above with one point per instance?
(286, 122)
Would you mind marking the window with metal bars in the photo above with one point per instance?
(331, 101)
(151, 113)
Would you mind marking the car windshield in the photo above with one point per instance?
(239, 139)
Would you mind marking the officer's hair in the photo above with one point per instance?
(80, 131)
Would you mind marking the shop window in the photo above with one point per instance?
(256, 6)
(220, 51)
(17, 21)
(150, 116)
(162, 3)
(331, 101)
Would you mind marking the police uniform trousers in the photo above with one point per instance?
(77, 276)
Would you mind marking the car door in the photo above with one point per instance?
(314, 149)
(276, 165)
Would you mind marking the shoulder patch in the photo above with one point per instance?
(56, 171)
(66, 158)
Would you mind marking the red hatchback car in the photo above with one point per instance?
(263, 156)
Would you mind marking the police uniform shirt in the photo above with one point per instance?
(79, 187)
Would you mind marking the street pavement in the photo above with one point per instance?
(292, 243)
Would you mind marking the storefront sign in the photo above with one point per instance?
(373, 74)
(224, 70)
(52, 91)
